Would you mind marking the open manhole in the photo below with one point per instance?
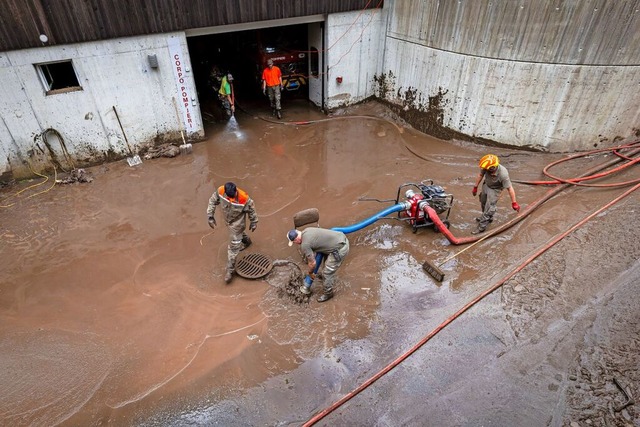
(253, 266)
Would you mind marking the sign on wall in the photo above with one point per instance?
(178, 63)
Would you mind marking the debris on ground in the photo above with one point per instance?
(164, 150)
(287, 277)
(76, 175)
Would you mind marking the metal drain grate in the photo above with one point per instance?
(253, 266)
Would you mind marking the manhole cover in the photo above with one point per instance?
(253, 266)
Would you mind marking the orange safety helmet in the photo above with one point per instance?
(489, 161)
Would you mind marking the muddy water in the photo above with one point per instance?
(113, 307)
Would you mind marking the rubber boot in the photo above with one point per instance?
(325, 296)
(228, 277)
(478, 230)
(246, 241)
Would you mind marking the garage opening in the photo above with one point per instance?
(244, 54)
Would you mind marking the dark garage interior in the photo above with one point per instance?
(244, 55)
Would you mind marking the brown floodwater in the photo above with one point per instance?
(113, 307)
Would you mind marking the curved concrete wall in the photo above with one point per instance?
(554, 75)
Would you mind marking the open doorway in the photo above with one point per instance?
(244, 54)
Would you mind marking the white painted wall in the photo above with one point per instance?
(111, 73)
(315, 40)
(355, 46)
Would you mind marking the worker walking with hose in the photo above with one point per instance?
(496, 178)
(236, 206)
(226, 94)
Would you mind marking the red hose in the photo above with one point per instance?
(584, 154)
(467, 306)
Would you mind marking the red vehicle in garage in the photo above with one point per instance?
(292, 64)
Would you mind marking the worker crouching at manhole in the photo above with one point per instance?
(496, 179)
(332, 244)
(236, 205)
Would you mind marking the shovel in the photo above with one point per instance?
(134, 159)
(184, 148)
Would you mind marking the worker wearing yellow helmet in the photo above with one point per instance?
(496, 178)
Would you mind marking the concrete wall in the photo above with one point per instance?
(355, 45)
(557, 75)
(111, 73)
(316, 40)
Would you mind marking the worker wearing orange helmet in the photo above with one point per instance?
(496, 178)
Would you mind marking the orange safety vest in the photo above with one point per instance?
(241, 197)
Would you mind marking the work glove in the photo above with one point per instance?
(253, 226)
(212, 222)
(308, 280)
(475, 190)
(515, 206)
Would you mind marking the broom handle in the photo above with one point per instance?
(123, 132)
(175, 107)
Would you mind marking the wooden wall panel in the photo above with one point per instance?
(72, 21)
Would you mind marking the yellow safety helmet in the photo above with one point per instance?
(489, 161)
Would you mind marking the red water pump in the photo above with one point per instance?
(418, 196)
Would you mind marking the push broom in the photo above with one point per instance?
(184, 148)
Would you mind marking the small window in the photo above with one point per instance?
(58, 77)
(314, 62)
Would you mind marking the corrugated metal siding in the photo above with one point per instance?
(72, 21)
(586, 32)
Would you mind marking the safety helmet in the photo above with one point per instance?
(489, 161)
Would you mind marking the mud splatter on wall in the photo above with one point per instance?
(425, 113)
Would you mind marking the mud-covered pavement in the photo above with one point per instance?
(113, 308)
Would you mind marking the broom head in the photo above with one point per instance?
(433, 270)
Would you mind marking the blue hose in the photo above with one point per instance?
(360, 226)
(371, 220)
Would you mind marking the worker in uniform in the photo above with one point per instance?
(225, 93)
(236, 206)
(272, 86)
(496, 178)
(334, 245)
